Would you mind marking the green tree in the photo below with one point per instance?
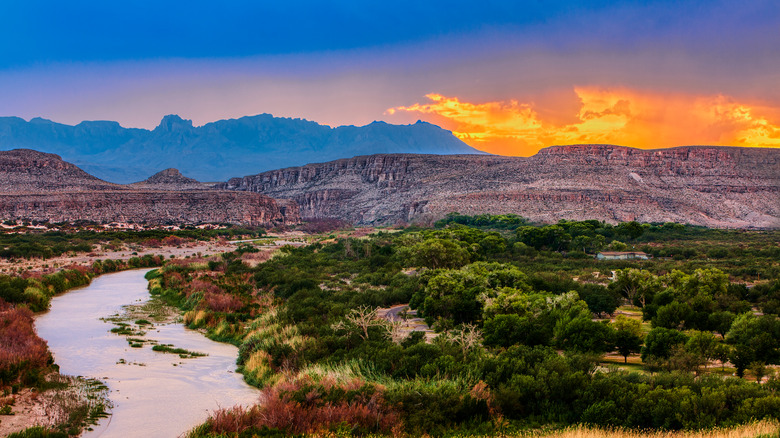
(759, 370)
(673, 315)
(721, 322)
(722, 352)
(660, 342)
(755, 339)
(439, 253)
(493, 244)
(703, 344)
(628, 336)
(460, 295)
(584, 335)
(617, 245)
(632, 229)
(504, 330)
(600, 300)
(639, 286)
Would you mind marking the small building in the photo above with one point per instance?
(622, 255)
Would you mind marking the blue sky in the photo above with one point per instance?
(46, 31)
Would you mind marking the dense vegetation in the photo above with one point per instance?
(523, 316)
(35, 290)
(528, 329)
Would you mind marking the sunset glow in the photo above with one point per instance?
(606, 115)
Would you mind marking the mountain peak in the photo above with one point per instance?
(40, 121)
(170, 176)
(170, 179)
(173, 122)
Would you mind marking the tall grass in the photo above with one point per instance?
(763, 429)
(344, 372)
(262, 336)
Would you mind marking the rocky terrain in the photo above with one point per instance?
(170, 179)
(702, 185)
(40, 186)
(29, 171)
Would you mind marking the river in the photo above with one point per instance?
(153, 393)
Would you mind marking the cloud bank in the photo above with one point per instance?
(624, 116)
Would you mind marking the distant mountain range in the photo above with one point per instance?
(219, 150)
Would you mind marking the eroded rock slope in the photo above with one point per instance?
(703, 185)
(40, 186)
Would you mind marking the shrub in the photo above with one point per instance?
(304, 405)
(21, 350)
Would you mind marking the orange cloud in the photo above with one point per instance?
(618, 116)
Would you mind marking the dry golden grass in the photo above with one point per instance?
(762, 429)
(759, 429)
(195, 317)
(258, 367)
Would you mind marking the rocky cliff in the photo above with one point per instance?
(703, 185)
(39, 186)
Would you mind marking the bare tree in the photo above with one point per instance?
(362, 318)
(467, 338)
(396, 332)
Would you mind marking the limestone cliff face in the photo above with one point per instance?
(42, 187)
(711, 186)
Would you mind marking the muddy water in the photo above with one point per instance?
(154, 394)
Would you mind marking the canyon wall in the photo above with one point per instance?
(702, 185)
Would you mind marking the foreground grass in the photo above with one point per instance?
(762, 429)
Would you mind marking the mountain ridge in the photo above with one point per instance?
(217, 150)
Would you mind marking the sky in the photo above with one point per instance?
(506, 77)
